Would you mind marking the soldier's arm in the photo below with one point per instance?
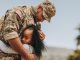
(11, 36)
(16, 44)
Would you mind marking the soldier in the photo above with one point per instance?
(15, 22)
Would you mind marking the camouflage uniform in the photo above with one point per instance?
(14, 25)
(17, 19)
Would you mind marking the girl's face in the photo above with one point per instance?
(27, 35)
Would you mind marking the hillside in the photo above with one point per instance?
(58, 53)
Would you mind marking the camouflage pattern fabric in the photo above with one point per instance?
(4, 56)
(15, 22)
(49, 10)
(17, 19)
(20, 17)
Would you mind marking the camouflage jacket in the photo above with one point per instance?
(16, 20)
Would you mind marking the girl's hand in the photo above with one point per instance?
(42, 35)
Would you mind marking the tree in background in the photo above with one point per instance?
(78, 37)
(76, 53)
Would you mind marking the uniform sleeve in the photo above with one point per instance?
(10, 26)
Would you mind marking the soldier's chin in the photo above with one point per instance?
(48, 21)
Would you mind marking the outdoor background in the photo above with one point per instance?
(61, 32)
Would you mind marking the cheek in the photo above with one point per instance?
(40, 16)
(27, 39)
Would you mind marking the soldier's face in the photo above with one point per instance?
(40, 15)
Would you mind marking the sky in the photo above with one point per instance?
(61, 32)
